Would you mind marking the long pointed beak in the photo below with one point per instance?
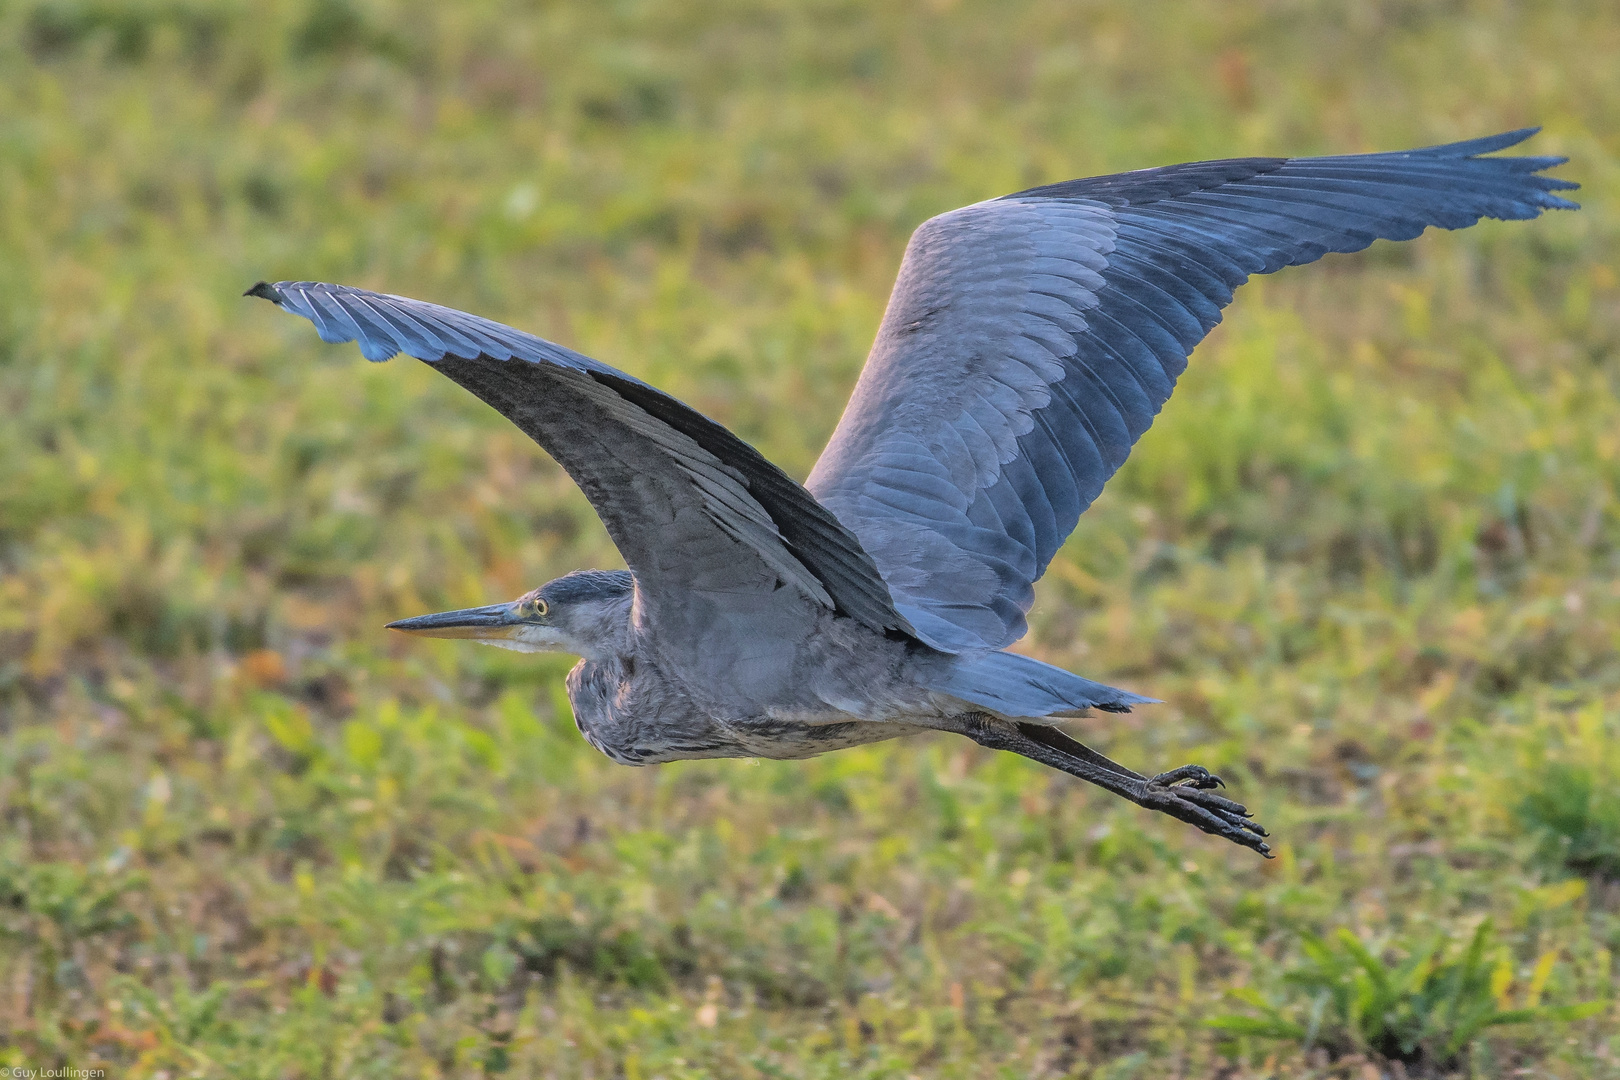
(497, 621)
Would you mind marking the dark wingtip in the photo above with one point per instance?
(1517, 136)
(266, 291)
(1491, 143)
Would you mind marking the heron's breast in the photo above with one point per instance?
(635, 715)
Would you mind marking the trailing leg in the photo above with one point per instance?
(1182, 793)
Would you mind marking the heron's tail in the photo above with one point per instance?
(1023, 688)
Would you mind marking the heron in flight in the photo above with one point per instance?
(1028, 343)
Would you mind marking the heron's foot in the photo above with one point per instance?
(1185, 794)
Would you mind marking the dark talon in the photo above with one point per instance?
(1196, 775)
(1214, 802)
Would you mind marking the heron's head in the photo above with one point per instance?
(583, 613)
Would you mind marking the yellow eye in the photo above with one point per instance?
(537, 608)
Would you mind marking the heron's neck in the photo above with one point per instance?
(600, 630)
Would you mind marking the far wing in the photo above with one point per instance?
(706, 524)
(1030, 341)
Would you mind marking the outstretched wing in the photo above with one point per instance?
(694, 510)
(1031, 339)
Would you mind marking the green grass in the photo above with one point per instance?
(1425, 1012)
(1368, 556)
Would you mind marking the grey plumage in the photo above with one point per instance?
(1028, 344)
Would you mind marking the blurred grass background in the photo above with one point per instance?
(1367, 556)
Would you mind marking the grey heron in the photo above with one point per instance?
(1028, 343)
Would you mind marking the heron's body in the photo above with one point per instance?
(643, 700)
(1029, 342)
